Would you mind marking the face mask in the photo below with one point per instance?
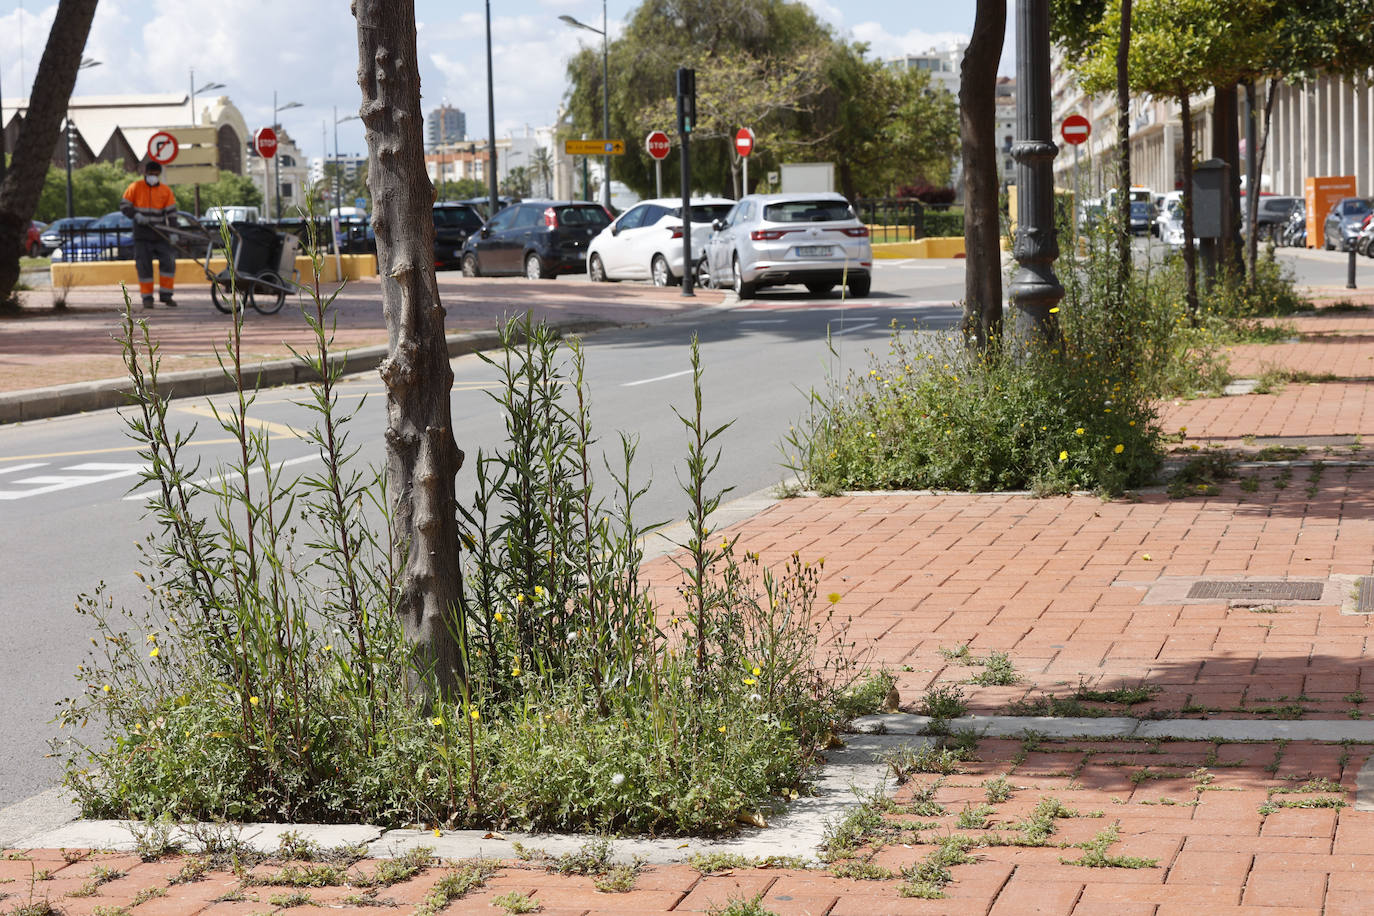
(152, 180)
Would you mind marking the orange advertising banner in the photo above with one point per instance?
(1322, 194)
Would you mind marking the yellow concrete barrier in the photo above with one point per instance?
(942, 247)
(189, 273)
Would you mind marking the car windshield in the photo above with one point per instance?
(1356, 206)
(808, 211)
(114, 220)
(706, 213)
(583, 216)
(457, 218)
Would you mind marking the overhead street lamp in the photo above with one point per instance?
(194, 91)
(276, 164)
(86, 64)
(337, 215)
(605, 99)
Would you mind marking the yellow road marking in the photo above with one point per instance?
(105, 451)
(278, 429)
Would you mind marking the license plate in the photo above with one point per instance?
(813, 251)
(458, 252)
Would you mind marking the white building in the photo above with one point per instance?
(943, 65)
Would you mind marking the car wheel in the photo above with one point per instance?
(859, 286)
(470, 266)
(534, 268)
(596, 271)
(658, 269)
(268, 293)
(704, 279)
(819, 288)
(742, 289)
(1326, 243)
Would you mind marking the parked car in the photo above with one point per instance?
(1273, 213)
(775, 239)
(51, 237)
(1364, 242)
(540, 239)
(483, 203)
(1343, 222)
(645, 242)
(111, 238)
(213, 216)
(453, 223)
(1165, 217)
(1142, 211)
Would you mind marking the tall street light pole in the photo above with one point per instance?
(85, 64)
(276, 160)
(1034, 291)
(338, 193)
(491, 127)
(605, 98)
(206, 88)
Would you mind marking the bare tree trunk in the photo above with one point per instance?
(1252, 199)
(39, 132)
(422, 457)
(1189, 249)
(1226, 147)
(978, 146)
(1123, 145)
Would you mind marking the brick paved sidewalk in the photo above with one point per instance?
(1088, 602)
(45, 347)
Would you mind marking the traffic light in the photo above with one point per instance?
(686, 100)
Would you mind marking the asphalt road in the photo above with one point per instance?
(70, 521)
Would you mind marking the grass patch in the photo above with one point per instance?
(1273, 379)
(741, 906)
(998, 671)
(1121, 696)
(944, 702)
(997, 790)
(457, 883)
(516, 902)
(974, 817)
(1280, 453)
(1095, 853)
(862, 871)
(1202, 474)
(906, 762)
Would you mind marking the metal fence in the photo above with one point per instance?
(85, 244)
(905, 219)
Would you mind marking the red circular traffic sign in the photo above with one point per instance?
(744, 141)
(265, 142)
(162, 147)
(1075, 129)
(658, 144)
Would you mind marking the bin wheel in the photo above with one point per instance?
(267, 292)
(220, 296)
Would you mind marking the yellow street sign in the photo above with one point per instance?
(594, 147)
(194, 136)
(176, 173)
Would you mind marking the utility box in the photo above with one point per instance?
(1211, 181)
(808, 177)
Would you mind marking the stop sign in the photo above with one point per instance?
(744, 141)
(657, 144)
(265, 142)
(1075, 129)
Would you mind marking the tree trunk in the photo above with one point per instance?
(1189, 249)
(422, 457)
(1226, 147)
(1123, 152)
(1252, 199)
(39, 132)
(978, 147)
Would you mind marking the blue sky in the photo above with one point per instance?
(306, 50)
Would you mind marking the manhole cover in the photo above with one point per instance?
(1263, 590)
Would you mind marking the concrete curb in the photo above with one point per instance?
(79, 397)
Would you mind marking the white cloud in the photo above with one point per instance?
(884, 43)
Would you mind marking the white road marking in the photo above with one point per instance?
(22, 467)
(851, 326)
(204, 482)
(765, 321)
(657, 378)
(51, 483)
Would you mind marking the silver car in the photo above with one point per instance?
(774, 239)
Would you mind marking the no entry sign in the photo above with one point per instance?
(1075, 129)
(744, 141)
(657, 144)
(162, 147)
(265, 142)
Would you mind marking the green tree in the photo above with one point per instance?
(229, 190)
(882, 127)
(541, 170)
(462, 189)
(96, 190)
(756, 40)
(517, 182)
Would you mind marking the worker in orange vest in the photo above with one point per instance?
(149, 202)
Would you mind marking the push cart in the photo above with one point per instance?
(259, 257)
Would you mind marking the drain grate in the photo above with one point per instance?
(1366, 605)
(1264, 590)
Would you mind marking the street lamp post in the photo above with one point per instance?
(338, 194)
(206, 88)
(276, 164)
(491, 127)
(605, 98)
(85, 64)
(1034, 291)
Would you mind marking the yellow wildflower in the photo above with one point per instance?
(252, 701)
(153, 653)
(1063, 456)
(475, 715)
(1119, 448)
(1078, 432)
(833, 597)
(499, 618)
(757, 671)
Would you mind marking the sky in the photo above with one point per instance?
(306, 52)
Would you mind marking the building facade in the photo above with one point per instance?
(943, 65)
(446, 125)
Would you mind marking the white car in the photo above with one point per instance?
(645, 242)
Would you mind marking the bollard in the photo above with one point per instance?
(1350, 267)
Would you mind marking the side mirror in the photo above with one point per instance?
(486, 233)
(615, 228)
(718, 225)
